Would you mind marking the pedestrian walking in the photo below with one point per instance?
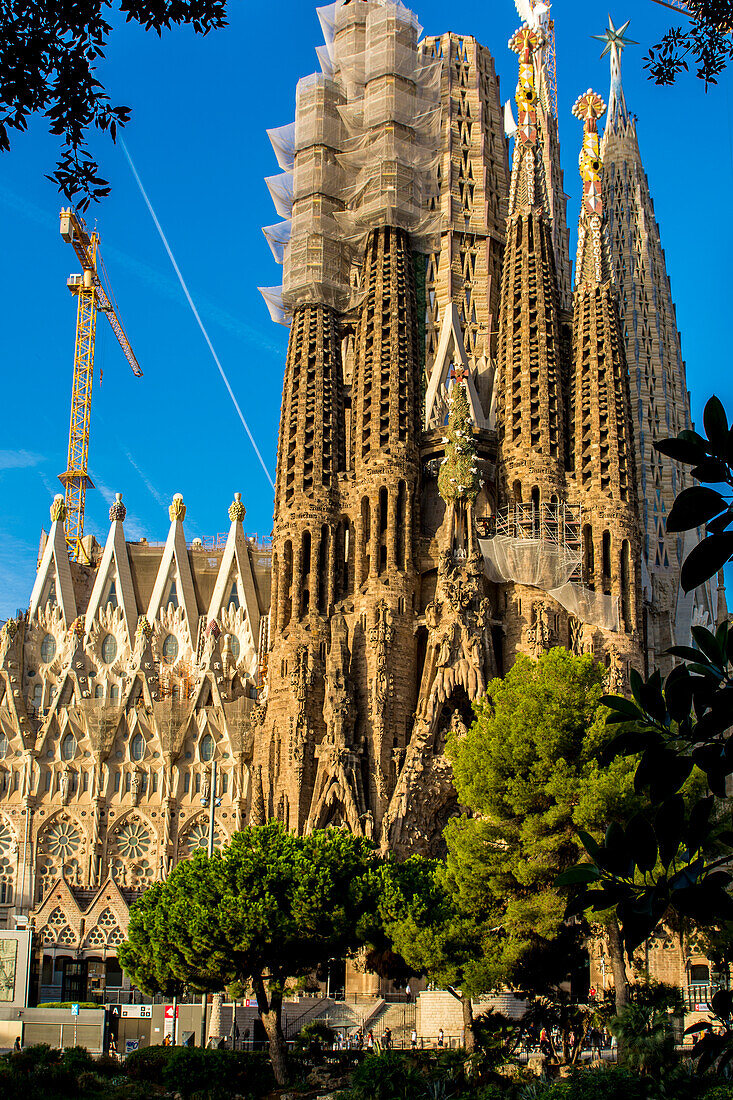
(441, 1039)
(408, 991)
(16, 1045)
(413, 1038)
(387, 1039)
(370, 1041)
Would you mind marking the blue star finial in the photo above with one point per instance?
(615, 37)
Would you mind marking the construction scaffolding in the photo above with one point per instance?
(361, 153)
(539, 545)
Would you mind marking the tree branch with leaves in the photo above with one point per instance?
(49, 56)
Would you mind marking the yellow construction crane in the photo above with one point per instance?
(91, 296)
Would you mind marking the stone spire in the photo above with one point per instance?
(615, 40)
(601, 425)
(659, 397)
(530, 413)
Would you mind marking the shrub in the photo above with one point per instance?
(89, 1082)
(603, 1083)
(147, 1063)
(107, 1066)
(190, 1069)
(68, 1004)
(77, 1060)
(387, 1076)
(30, 1058)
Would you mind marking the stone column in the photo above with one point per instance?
(391, 529)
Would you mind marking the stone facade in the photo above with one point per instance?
(122, 682)
(463, 476)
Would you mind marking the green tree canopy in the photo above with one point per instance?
(268, 908)
(529, 772)
(530, 776)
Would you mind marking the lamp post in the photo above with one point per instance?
(212, 801)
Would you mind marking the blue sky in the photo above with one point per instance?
(197, 135)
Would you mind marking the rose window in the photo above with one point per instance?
(62, 839)
(133, 839)
(7, 838)
(197, 839)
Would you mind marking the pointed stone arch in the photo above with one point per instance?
(62, 846)
(114, 570)
(194, 836)
(132, 850)
(54, 572)
(451, 353)
(9, 852)
(175, 567)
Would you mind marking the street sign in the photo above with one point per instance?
(168, 1020)
(137, 1012)
(131, 1044)
(74, 1010)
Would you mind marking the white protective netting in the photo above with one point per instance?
(362, 152)
(549, 567)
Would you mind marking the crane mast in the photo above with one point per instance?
(91, 296)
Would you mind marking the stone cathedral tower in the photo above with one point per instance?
(456, 480)
(659, 395)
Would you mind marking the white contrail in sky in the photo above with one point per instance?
(195, 312)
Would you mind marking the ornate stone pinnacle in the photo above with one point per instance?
(525, 41)
(589, 107)
(118, 510)
(237, 511)
(177, 509)
(58, 509)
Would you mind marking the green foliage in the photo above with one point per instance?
(189, 1070)
(146, 1063)
(530, 769)
(314, 1037)
(705, 38)
(78, 1060)
(387, 1076)
(459, 477)
(48, 56)
(68, 1004)
(645, 1031)
(603, 1083)
(272, 903)
(39, 1071)
(711, 458)
(270, 907)
(674, 855)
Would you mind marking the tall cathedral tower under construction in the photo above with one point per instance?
(465, 474)
(459, 479)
